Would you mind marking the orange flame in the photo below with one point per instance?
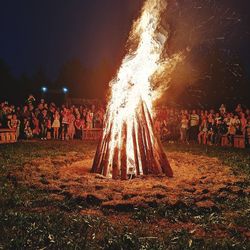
(132, 85)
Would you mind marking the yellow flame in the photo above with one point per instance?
(132, 83)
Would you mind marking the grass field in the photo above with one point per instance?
(49, 200)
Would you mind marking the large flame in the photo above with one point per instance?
(132, 87)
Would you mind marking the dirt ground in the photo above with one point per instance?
(49, 199)
(197, 181)
(204, 198)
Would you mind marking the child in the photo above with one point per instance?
(89, 119)
(43, 120)
(56, 125)
(27, 129)
(212, 132)
(231, 133)
(48, 124)
(14, 124)
(78, 126)
(243, 122)
(36, 130)
(202, 136)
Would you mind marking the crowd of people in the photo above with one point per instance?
(203, 126)
(49, 121)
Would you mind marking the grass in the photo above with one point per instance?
(23, 230)
(31, 219)
(237, 159)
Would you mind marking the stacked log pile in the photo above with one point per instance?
(148, 154)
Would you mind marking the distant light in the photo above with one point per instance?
(44, 89)
(65, 90)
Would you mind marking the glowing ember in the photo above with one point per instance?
(129, 144)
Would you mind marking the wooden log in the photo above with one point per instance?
(142, 150)
(160, 160)
(166, 168)
(104, 153)
(100, 156)
(148, 154)
(115, 162)
(124, 153)
(137, 166)
(97, 157)
(164, 161)
(148, 163)
(101, 152)
(105, 162)
(152, 163)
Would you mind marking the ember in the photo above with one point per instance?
(129, 145)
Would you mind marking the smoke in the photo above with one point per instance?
(202, 31)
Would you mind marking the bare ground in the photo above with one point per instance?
(197, 182)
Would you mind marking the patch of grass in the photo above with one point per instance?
(176, 239)
(33, 219)
(243, 219)
(183, 239)
(21, 152)
(237, 159)
(22, 230)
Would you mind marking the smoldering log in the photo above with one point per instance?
(97, 158)
(136, 160)
(164, 163)
(115, 166)
(148, 154)
(152, 169)
(142, 150)
(101, 153)
(124, 153)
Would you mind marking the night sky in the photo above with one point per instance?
(49, 33)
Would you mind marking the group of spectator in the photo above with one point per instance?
(203, 126)
(48, 121)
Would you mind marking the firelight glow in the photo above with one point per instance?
(128, 137)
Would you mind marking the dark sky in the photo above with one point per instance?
(50, 32)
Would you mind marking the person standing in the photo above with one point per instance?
(36, 126)
(243, 122)
(89, 119)
(247, 133)
(194, 126)
(184, 128)
(71, 128)
(78, 126)
(65, 123)
(222, 109)
(56, 125)
(14, 124)
(43, 121)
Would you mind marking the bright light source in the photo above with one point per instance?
(44, 89)
(65, 90)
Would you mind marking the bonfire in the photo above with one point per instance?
(129, 145)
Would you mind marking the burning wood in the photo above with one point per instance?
(129, 145)
(148, 156)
